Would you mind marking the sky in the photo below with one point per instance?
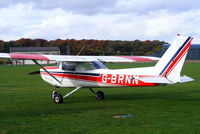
(99, 19)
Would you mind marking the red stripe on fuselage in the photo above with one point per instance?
(52, 67)
(110, 79)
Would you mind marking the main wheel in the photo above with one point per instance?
(53, 94)
(58, 98)
(100, 95)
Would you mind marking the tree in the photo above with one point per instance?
(91, 47)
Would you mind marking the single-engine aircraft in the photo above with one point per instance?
(90, 72)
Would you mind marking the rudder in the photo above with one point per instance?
(171, 63)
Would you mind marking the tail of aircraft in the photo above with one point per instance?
(171, 63)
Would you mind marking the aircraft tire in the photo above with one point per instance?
(58, 98)
(100, 95)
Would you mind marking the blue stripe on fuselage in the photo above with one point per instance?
(76, 73)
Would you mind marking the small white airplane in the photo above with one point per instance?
(90, 72)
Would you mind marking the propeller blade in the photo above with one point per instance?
(36, 72)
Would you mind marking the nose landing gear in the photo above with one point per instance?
(58, 98)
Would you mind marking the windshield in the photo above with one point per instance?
(82, 66)
(98, 65)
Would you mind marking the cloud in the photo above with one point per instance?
(92, 7)
(166, 24)
(57, 23)
(119, 20)
(146, 6)
(87, 7)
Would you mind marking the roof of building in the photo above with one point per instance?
(32, 49)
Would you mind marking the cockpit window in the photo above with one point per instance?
(82, 66)
(69, 66)
(87, 66)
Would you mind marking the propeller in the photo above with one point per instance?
(36, 72)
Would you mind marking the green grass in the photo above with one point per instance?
(26, 106)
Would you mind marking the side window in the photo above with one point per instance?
(87, 66)
(68, 66)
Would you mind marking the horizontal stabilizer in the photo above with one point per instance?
(186, 79)
(155, 79)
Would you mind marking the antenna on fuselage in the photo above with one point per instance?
(80, 51)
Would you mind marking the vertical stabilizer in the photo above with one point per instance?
(171, 63)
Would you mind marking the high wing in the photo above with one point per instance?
(78, 58)
(125, 58)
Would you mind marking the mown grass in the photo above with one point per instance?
(26, 106)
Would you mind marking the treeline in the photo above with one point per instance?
(91, 47)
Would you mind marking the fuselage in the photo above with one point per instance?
(97, 77)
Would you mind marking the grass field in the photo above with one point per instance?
(26, 106)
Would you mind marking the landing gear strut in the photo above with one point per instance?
(58, 98)
(99, 94)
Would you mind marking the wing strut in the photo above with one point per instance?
(46, 71)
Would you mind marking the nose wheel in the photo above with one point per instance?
(58, 98)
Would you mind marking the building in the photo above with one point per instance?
(34, 50)
(193, 54)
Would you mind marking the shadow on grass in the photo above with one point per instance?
(190, 95)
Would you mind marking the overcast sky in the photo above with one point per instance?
(99, 19)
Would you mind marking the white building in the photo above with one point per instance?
(34, 50)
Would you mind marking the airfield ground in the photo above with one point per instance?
(26, 106)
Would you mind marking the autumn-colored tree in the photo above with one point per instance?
(91, 47)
